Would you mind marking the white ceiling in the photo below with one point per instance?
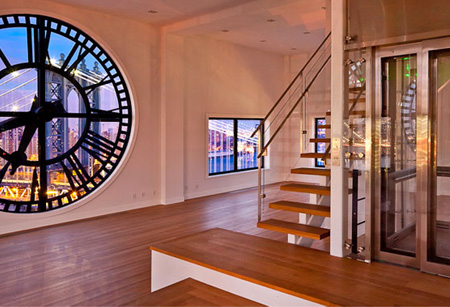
(244, 20)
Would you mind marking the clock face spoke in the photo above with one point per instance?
(65, 115)
(4, 170)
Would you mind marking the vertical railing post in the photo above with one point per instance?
(260, 160)
(355, 174)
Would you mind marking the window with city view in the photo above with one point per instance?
(230, 147)
(320, 134)
(65, 114)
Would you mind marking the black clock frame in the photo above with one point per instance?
(109, 153)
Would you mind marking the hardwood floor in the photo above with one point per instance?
(106, 261)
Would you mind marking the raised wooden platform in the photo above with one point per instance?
(190, 292)
(306, 273)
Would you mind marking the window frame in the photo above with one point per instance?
(235, 147)
(316, 144)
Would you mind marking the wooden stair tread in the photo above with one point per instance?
(311, 171)
(190, 292)
(328, 126)
(315, 155)
(352, 113)
(301, 208)
(301, 230)
(305, 272)
(360, 100)
(306, 188)
(315, 171)
(322, 140)
(356, 90)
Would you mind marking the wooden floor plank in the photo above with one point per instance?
(307, 273)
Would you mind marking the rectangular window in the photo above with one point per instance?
(230, 147)
(320, 134)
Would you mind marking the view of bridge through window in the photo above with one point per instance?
(230, 147)
(83, 142)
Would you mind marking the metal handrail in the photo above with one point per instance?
(293, 108)
(290, 85)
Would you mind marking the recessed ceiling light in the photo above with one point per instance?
(152, 12)
(306, 32)
(270, 20)
(225, 31)
(263, 41)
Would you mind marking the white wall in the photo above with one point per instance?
(222, 79)
(135, 48)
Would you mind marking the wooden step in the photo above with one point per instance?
(360, 100)
(306, 188)
(316, 171)
(326, 126)
(301, 230)
(311, 171)
(190, 292)
(304, 272)
(301, 208)
(356, 90)
(361, 113)
(315, 155)
(323, 140)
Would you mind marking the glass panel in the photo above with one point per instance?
(220, 146)
(13, 43)
(439, 235)
(62, 132)
(247, 147)
(398, 155)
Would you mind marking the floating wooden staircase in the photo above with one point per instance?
(304, 230)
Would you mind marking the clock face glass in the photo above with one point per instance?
(65, 114)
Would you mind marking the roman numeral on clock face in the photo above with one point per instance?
(98, 146)
(75, 172)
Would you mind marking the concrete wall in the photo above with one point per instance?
(135, 48)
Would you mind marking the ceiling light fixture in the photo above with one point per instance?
(152, 12)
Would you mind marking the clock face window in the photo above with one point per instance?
(65, 114)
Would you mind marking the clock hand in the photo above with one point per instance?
(16, 122)
(19, 157)
(3, 171)
(12, 123)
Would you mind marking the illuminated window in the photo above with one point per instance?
(320, 134)
(230, 145)
(65, 114)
